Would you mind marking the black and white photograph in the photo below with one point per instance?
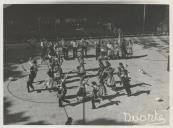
(86, 64)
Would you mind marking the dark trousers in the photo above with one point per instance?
(74, 52)
(104, 89)
(93, 101)
(102, 85)
(62, 98)
(29, 84)
(127, 88)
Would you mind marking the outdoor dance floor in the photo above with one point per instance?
(150, 90)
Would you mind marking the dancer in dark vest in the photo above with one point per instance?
(32, 75)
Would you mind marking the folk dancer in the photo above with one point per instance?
(121, 70)
(126, 82)
(110, 82)
(95, 94)
(32, 75)
(62, 91)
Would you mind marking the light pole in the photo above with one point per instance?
(84, 103)
(144, 17)
(39, 27)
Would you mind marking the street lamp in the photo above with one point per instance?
(84, 92)
(143, 27)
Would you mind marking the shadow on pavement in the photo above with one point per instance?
(110, 97)
(71, 87)
(135, 57)
(13, 57)
(130, 57)
(88, 98)
(70, 96)
(151, 43)
(141, 92)
(90, 75)
(103, 121)
(70, 81)
(90, 56)
(11, 71)
(37, 123)
(92, 69)
(13, 118)
(109, 103)
(131, 86)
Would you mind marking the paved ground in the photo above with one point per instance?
(150, 54)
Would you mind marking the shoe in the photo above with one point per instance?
(105, 94)
(60, 105)
(93, 107)
(99, 101)
(78, 100)
(129, 95)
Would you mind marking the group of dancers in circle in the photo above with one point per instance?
(54, 54)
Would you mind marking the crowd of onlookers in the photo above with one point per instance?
(113, 49)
